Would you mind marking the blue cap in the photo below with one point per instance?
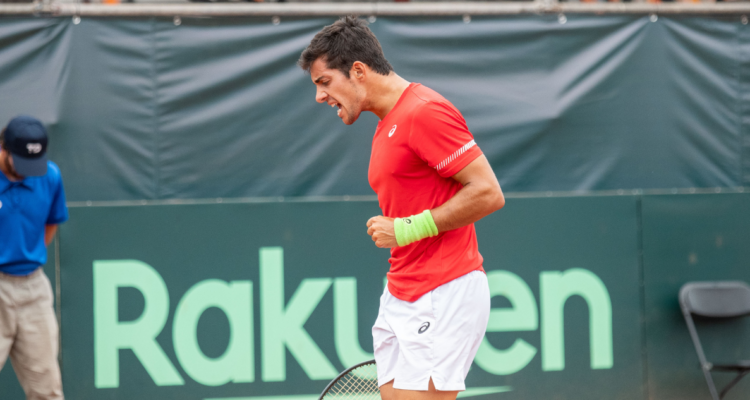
(26, 140)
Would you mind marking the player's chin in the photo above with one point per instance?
(350, 119)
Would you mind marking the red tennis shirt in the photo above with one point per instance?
(417, 148)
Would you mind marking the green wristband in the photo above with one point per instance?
(417, 227)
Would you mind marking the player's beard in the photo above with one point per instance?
(348, 117)
(348, 114)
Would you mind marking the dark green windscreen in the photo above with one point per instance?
(144, 109)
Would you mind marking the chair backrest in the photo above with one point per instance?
(727, 299)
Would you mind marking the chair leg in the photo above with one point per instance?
(731, 384)
(710, 382)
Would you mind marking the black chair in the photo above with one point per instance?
(715, 300)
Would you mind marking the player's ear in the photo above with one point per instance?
(358, 70)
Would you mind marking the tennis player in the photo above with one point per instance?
(433, 183)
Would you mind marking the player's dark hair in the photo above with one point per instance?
(344, 42)
(2, 138)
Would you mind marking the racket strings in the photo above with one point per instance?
(359, 384)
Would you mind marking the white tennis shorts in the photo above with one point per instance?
(435, 337)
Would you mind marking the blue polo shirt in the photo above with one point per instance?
(25, 208)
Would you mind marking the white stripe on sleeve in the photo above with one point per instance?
(455, 155)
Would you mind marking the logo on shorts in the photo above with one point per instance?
(393, 130)
(424, 328)
(407, 221)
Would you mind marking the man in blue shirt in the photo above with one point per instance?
(32, 204)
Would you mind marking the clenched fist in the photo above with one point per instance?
(380, 228)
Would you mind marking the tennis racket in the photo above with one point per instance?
(359, 382)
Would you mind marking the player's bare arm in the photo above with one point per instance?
(480, 196)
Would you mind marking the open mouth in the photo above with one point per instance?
(335, 104)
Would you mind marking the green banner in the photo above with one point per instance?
(693, 238)
(269, 300)
(273, 299)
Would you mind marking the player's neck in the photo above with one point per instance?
(385, 92)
